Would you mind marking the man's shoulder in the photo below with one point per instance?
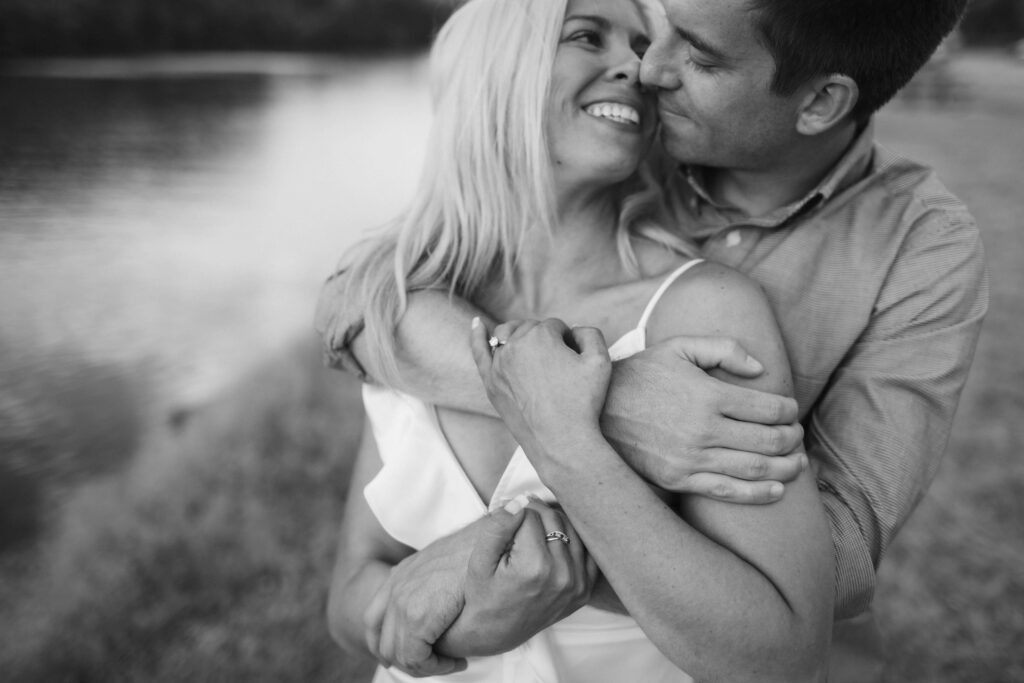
(896, 201)
(913, 184)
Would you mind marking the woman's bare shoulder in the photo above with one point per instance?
(709, 298)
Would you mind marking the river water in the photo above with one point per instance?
(165, 223)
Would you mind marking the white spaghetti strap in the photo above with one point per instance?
(673, 276)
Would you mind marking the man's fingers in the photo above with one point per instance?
(373, 618)
(753, 466)
(717, 352)
(387, 646)
(758, 438)
(437, 665)
(751, 405)
(730, 490)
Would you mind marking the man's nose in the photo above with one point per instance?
(656, 68)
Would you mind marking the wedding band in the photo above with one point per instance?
(557, 536)
(494, 343)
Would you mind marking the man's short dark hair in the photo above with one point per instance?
(880, 44)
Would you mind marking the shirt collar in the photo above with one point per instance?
(850, 168)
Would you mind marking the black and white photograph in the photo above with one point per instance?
(511, 341)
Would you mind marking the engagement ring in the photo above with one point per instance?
(494, 343)
(557, 536)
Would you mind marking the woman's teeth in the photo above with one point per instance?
(620, 113)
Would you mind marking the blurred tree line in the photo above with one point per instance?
(84, 27)
(88, 27)
(993, 22)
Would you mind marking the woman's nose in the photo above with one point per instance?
(628, 69)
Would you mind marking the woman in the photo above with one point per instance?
(536, 205)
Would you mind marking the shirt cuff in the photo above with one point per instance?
(854, 568)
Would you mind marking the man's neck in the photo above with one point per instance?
(759, 191)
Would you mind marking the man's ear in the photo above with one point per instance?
(829, 100)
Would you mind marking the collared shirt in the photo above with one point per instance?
(878, 282)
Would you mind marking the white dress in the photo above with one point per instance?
(422, 494)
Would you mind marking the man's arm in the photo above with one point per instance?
(879, 430)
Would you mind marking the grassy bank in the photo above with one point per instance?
(209, 559)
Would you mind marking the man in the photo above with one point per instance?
(874, 270)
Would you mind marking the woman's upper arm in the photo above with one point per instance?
(789, 541)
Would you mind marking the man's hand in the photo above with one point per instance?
(517, 590)
(688, 432)
(424, 595)
(339, 321)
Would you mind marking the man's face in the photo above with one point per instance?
(713, 77)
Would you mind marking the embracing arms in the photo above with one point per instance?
(736, 444)
(726, 591)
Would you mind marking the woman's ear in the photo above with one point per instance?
(829, 100)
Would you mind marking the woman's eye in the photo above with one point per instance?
(588, 37)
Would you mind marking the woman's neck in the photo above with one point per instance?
(576, 257)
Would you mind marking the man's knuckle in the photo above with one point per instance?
(772, 441)
(756, 467)
(798, 433)
(721, 490)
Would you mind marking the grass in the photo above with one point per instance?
(208, 560)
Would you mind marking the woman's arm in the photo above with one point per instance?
(728, 592)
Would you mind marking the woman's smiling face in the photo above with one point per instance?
(599, 123)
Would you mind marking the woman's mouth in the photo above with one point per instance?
(614, 111)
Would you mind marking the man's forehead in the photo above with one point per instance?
(727, 24)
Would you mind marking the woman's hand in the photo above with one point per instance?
(546, 380)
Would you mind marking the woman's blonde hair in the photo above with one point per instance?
(487, 178)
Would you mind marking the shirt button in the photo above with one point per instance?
(733, 238)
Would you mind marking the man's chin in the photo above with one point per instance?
(682, 150)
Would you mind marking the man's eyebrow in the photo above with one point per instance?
(701, 44)
(602, 22)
